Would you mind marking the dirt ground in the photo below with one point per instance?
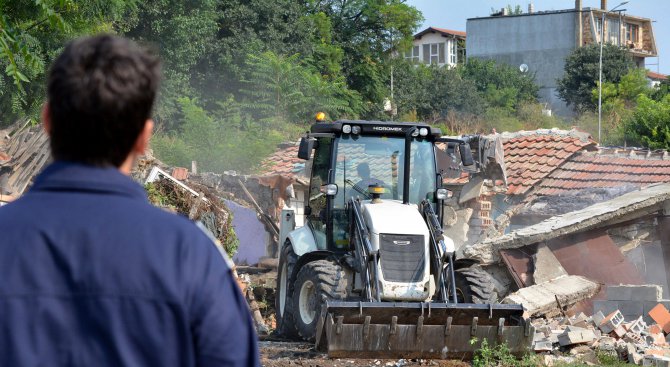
(282, 354)
(277, 352)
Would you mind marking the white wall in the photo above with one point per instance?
(436, 38)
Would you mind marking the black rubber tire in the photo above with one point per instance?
(474, 285)
(330, 283)
(285, 324)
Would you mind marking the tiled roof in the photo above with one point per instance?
(656, 76)
(606, 170)
(440, 30)
(284, 162)
(530, 156)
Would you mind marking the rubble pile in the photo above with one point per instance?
(206, 208)
(258, 286)
(583, 338)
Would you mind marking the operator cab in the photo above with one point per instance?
(350, 155)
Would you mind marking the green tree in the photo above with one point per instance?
(619, 101)
(184, 34)
(502, 85)
(661, 90)
(31, 34)
(282, 89)
(432, 93)
(650, 123)
(219, 140)
(582, 71)
(366, 31)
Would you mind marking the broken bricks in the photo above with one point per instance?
(611, 322)
(661, 315)
(576, 335)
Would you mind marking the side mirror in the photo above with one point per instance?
(466, 155)
(305, 149)
(443, 194)
(307, 211)
(329, 190)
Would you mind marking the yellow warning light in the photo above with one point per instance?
(320, 116)
(376, 189)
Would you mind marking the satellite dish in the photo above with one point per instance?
(523, 68)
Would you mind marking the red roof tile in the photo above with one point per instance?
(531, 156)
(284, 162)
(444, 31)
(656, 76)
(592, 169)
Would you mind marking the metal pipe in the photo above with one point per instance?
(408, 151)
(600, 65)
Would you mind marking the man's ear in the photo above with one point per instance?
(46, 117)
(142, 142)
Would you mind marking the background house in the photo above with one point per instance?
(542, 40)
(655, 79)
(437, 46)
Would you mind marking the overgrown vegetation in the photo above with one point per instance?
(633, 112)
(500, 355)
(213, 214)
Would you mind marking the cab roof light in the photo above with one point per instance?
(376, 189)
(320, 117)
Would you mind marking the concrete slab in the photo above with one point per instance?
(547, 266)
(646, 292)
(471, 190)
(540, 299)
(580, 336)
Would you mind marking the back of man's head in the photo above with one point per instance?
(101, 92)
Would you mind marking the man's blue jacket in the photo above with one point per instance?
(91, 274)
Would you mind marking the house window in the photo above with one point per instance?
(413, 55)
(632, 31)
(613, 31)
(453, 55)
(434, 53)
(599, 27)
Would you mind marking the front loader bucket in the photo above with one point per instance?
(419, 330)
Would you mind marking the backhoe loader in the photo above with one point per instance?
(371, 273)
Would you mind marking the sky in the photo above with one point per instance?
(452, 14)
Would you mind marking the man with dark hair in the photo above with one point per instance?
(92, 274)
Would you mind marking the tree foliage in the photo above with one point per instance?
(240, 76)
(282, 89)
(504, 86)
(582, 73)
(31, 34)
(650, 123)
(366, 31)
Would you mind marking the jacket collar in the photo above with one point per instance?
(71, 176)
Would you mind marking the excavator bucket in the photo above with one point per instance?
(420, 330)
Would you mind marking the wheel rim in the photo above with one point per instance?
(307, 302)
(282, 289)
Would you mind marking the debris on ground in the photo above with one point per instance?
(24, 152)
(550, 297)
(630, 339)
